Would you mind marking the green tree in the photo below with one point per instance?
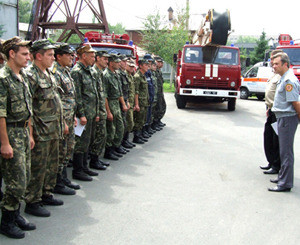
(160, 39)
(259, 52)
(117, 29)
(25, 7)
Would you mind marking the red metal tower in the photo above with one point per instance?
(43, 12)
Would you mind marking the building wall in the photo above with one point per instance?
(9, 18)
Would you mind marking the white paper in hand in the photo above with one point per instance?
(79, 128)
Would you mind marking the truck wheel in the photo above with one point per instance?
(244, 93)
(231, 105)
(180, 101)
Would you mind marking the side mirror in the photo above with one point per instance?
(175, 58)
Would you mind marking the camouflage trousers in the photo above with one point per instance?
(115, 128)
(129, 120)
(44, 168)
(66, 145)
(140, 118)
(83, 142)
(124, 117)
(16, 171)
(98, 145)
(160, 108)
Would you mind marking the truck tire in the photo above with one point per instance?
(231, 105)
(180, 101)
(244, 93)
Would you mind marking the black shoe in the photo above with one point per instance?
(107, 164)
(71, 185)
(279, 189)
(265, 167)
(97, 165)
(51, 201)
(138, 140)
(23, 223)
(8, 226)
(120, 150)
(108, 154)
(116, 153)
(126, 144)
(36, 209)
(271, 171)
(90, 172)
(275, 181)
(124, 149)
(64, 190)
(161, 124)
(81, 176)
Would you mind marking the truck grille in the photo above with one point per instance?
(210, 84)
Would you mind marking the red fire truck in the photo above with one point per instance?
(112, 43)
(292, 48)
(209, 70)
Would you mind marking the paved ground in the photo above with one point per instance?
(195, 182)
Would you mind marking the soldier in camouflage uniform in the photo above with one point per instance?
(129, 119)
(86, 82)
(2, 63)
(98, 145)
(114, 96)
(47, 130)
(66, 90)
(161, 106)
(153, 68)
(15, 136)
(125, 90)
(141, 101)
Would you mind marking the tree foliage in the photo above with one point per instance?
(259, 52)
(117, 29)
(25, 7)
(163, 40)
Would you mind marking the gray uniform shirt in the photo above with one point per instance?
(287, 92)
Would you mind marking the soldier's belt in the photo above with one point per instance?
(23, 124)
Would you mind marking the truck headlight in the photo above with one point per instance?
(188, 82)
(232, 84)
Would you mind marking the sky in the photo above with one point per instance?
(247, 17)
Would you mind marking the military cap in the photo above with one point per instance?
(44, 44)
(131, 62)
(63, 48)
(15, 41)
(143, 61)
(123, 57)
(102, 53)
(158, 59)
(85, 49)
(148, 57)
(113, 57)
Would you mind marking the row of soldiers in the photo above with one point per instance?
(42, 108)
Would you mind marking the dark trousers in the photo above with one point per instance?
(271, 143)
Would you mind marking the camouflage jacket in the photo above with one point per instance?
(131, 89)
(112, 85)
(46, 104)
(66, 87)
(101, 94)
(141, 88)
(124, 84)
(85, 80)
(155, 88)
(160, 82)
(15, 96)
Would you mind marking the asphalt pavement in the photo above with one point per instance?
(195, 182)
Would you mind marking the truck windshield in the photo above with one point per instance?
(211, 55)
(115, 50)
(294, 55)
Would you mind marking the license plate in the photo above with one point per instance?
(209, 92)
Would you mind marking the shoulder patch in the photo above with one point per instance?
(289, 87)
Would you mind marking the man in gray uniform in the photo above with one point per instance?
(287, 110)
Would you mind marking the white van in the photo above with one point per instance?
(254, 80)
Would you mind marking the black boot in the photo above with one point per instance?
(120, 150)
(136, 137)
(36, 209)
(95, 163)
(113, 150)
(125, 142)
(8, 226)
(145, 134)
(61, 188)
(68, 182)
(150, 130)
(108, 154)
(107, 164)
(77, 172)
(22, 222)
(161, 124)
(85, 166)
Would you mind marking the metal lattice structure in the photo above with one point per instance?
(43, 12)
